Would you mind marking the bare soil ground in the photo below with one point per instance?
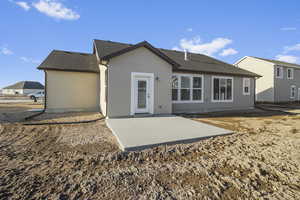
(82, 161)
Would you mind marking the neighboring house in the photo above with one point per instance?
(280, 81)
(123, 80)
(23, 88)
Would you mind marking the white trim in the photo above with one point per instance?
(240, 60)
(293, 87)
(281, 71)
(191, 88)
(212, 89)
(151, 88)
(292, 73)
(244, 85)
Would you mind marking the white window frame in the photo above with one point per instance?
(292, 73)
(291, 89)
(191, 88)
(212, 89)
(280, 70)
(244, 85)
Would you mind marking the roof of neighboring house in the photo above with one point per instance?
(70, 61)
(278, 62)
(195, 63)
(26, 85)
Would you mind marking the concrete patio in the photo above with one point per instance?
(141, 133)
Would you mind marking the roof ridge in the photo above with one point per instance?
(73, 52)
(115, 42)
(273, 60)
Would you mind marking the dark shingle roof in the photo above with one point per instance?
(196, 62)
(70, 61)
(26, 85)
(278, 62)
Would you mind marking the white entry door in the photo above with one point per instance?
(298, 94)
(142, 93)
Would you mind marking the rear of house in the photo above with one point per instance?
(123, 80)
(280, 81)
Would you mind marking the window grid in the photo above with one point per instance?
(246, 86)
(223, 92)
(190, 88)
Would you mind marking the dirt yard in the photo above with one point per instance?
(82, 161)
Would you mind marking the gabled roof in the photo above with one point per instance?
(26, 85)
(196, 62)
(70, 61)
(278, 62)
(141, 44)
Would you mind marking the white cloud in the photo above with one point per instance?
(29, 60)
(287, 58)
(6, 51)
(228, 52)
(195, 45)
(295, 47)
(23, 5)
(288, 28)
(55, 9)
(189, 30)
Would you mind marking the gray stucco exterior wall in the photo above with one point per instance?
(119, 81)
(142, 60)
(240, 101)
(283, 85)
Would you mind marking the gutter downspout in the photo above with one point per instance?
(45, 101)
(254, 91)
(106, 84)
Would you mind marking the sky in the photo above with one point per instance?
(226, 30)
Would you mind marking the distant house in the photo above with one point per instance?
(23, 87)
(121, 79)
(280, 81)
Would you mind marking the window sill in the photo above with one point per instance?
(246, 94)
(221, 101)
(187, 101)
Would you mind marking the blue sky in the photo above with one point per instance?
(226, 30)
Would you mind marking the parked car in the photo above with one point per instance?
(36, 95)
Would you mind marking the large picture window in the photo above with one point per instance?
(187, 88)
(222, 89)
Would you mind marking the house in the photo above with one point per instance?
(280, 81)
(23, 88)
(122, 80)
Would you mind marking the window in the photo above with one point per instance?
(222, 90)
(290, 73)
(246, 86)
(197, 88)
(187, 88)
(293, 91)
(174, 88)
(279, 72)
